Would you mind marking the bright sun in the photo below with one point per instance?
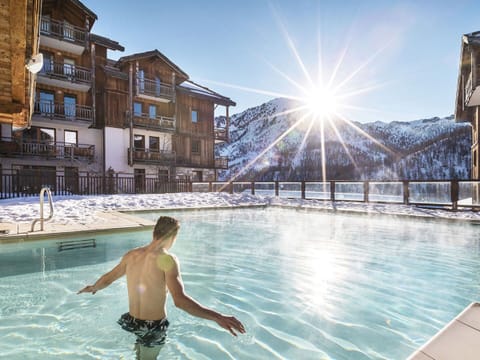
(321, 102)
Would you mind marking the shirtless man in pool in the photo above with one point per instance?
(151, 270)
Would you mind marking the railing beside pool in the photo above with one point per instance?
(453, 194)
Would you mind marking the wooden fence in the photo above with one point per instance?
(29, 183)
(453, 194)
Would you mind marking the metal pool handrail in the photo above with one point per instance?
(41, 219)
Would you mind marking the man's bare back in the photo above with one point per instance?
(147, 289)
(150, 271)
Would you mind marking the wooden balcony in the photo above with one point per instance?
(66, 76)
(63, 112)
(164, 123)
(62, 36)
(219, 162)
(160, 157)
(220, 135)
(12, 147)
(154, 90)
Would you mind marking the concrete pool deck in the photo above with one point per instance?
(108, 222)
(459, 339)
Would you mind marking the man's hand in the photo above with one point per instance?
(230, 323)
(88, 288)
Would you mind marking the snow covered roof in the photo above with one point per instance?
(197, 90)
(472, 38)
(154, 53)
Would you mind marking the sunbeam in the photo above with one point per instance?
(347, 151)
(368, 136)
(324, 99)
(275, 142)
(302, 144)
(292, 47)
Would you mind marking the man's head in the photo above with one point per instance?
(165, 228)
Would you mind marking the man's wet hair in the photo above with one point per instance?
(165, 226)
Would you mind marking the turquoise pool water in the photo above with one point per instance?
(306, 285)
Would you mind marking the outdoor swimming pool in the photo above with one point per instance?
(307, 285)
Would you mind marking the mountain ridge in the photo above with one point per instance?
(424, 149)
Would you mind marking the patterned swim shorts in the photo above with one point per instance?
(149, 332)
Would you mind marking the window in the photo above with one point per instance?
(152, 112)
(158, 84)
(47, 63)
(68, 31)
(70, 102)
(141, 81)
(69, 68)
(195, 146)
(38, 134)
(45, 24)
(197, 176)
(71, 137)
(46, 105)
(137, 109)
(154, 143)
(194, 116)
(47, 135)
(139, 142)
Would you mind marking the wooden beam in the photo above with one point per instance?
(11, 108)
(18, 43)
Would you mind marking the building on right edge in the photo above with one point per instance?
(467, 102)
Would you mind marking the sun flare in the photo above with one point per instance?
(322, 102)
(323, 98)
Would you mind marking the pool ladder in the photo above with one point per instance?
(50, 202)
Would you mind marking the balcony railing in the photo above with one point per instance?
(154, 89)
(220, 134)
(159, 157)
(69, 112)
(48, 149)
(67, 72)
(221, 162)
(63, 31)
(158, 123)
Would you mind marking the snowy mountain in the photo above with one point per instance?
(288, 146)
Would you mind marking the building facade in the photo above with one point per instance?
(467, 103)
(140, 115)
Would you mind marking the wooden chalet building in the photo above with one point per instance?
(85, 113)
(467, 103)
(158, 122)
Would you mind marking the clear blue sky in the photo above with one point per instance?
(406, 52)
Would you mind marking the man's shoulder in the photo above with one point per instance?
(166, 261)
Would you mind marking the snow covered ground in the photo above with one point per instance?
(82, 209)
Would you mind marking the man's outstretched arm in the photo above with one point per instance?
(186, 303)
(106, 279)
